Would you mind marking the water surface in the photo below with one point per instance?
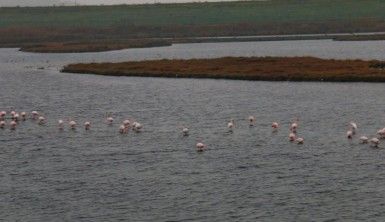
(251, 174)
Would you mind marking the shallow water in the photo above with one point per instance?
(248, 175)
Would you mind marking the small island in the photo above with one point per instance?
(244, 68)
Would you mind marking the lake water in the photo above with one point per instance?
(251, 174)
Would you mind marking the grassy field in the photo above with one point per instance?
(273, 11)
(20, 26)
(253, 68)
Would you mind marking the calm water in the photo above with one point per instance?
(249, 175)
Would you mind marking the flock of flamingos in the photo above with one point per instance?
(126, 125)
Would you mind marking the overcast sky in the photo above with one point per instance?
(86, 2)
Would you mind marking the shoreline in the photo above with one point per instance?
(243, 68)
(110, 45)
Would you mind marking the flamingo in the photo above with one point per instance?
(136, 126)
(275, 125)
(200, 147)
(61, 124)
(292, 137)
(294, 126)
(16, 117)
(2, 124)
(381, 133)
(374, 142)
(123, 129)
(35, 114)
(299, 140)
(2, 115)
(23, 116)
(251, 120)
(72, 124)
(185, 131)
(126, 123)
(109, 119)
(231, 125)
(353, 127)
(364, 139)
(41, 120)
(349, 134)
(13, 125)
(87, 125)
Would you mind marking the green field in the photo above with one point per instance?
(22, 26)
(195, 14)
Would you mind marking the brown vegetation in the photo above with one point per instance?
(360, 38)
(253, 68)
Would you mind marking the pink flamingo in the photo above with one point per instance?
(299, 140)
(123, 129)
(185, 131)
(292, 137)
(251, 120)
(23, 116)
(35, 114)
(349, 134)
(374, 142)
(72, 124)
(2, 124)
(294, 126)
(61, 124)
(231, 124)
(41, 120)
(13, 125)
(364, 139)
(87, 125)
(200, 147)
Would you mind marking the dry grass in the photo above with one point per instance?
(253, 68)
